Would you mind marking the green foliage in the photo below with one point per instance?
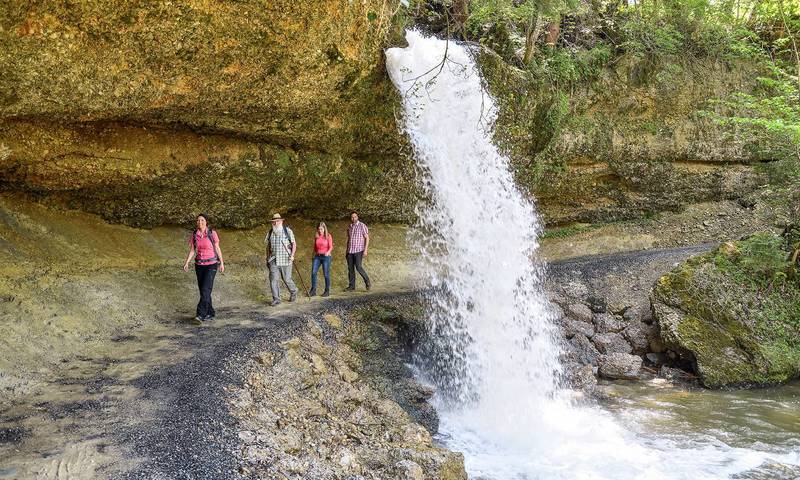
(761, 262)
(771, 119)
(567, 68)
(718, 28)
(644, 38)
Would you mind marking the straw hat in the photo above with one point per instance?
(276, 217)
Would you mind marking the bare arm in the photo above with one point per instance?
(189, 257)
(366, 243)
(219, 255)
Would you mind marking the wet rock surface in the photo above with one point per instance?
(319, 395)
(620, 366)
(604, 313)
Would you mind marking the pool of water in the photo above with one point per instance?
(639, 430)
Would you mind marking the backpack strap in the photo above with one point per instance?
(285, 232)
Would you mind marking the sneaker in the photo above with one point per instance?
(326, 293)
(293, 297)
(197, 320)
(275, 303)
(208, 318)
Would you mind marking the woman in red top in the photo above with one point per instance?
(323, 245)
(204, 246)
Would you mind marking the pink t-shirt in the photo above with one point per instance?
(322, 244)
(205, 250)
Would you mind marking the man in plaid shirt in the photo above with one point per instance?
(281, 246)
(357, 248)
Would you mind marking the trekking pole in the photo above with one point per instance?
(294, 267)
(302, 283)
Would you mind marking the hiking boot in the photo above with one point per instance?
(349, 289)
(293, 297)
(275, 303)
(312, 293)
(326, 293)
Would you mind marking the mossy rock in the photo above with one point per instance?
(734, 313)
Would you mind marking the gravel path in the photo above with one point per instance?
(191, 434)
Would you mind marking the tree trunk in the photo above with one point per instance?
(532, 32)
(751, 18)
(553, 31)
(790, 34)
(461, 15)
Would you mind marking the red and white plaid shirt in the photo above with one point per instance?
(356, 233)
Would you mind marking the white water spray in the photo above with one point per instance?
(494, 357)
(479, 238)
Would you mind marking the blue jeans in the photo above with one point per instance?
(325, 261)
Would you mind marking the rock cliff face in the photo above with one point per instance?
(630, 142)
(147, 113)
(144, 112)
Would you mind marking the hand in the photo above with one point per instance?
(365, 253)
(221, 267)
(291, 258)
(186, 267)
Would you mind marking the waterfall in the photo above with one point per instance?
(477, 236)
(492, 353)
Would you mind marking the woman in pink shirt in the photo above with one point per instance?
(323, 245)
(204, 247)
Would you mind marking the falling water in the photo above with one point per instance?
(493, 354)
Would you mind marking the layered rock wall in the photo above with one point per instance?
(147, 112)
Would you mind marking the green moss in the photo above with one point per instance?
(740, 313)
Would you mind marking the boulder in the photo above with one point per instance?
(606, 322)
(636, 333)
(409, 470)
(581, 377)
(607, 343)
(584, 349)
(579, 311)
(574, 327)
(735, 318)
(597, 304)
(620, 366)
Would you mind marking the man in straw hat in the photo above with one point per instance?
(281, 246)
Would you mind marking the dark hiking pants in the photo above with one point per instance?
(353, 264)
(205, 282)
